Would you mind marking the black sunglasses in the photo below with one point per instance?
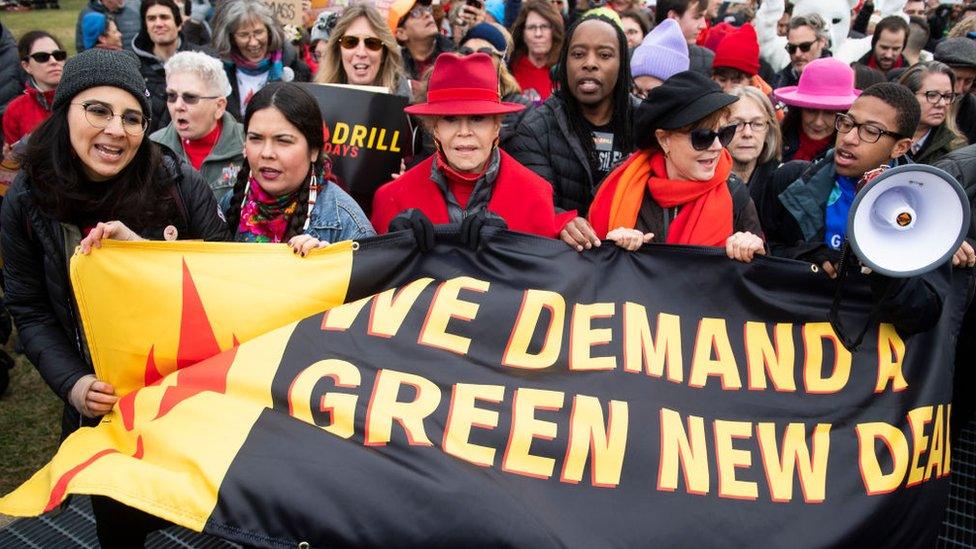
(702, 139)
(372, 43)
(804, 47)
(43, 56)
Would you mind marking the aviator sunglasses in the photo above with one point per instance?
(372, 43)
(43, 56)
(702, 139)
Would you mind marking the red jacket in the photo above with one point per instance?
(25, 113)
(520, 197)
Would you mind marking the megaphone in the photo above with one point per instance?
(908, 220)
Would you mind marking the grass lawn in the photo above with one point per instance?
(30, 423)
(60, 23)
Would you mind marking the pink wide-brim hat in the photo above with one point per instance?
(826, 83)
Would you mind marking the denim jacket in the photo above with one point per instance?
(335, 216)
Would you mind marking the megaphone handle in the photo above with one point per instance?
(834, 314)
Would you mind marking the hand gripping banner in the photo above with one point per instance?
(522, 395)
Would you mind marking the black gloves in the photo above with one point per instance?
(415, 221)
(419, 224)
(471, 227)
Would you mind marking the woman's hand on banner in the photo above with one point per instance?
(302, 244)
(114, 230)
(579, 234)
(743, 246)
(629, 239)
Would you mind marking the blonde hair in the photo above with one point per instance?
(391, 70)
(962, 28)
(772, 145)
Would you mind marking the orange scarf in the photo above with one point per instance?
(705, 218)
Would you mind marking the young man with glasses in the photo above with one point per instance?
(157, 42)
(806, 40)
(202, 132)
(412, 23)
(810, 201)
(807, 204)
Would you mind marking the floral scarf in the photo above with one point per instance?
(264, 218)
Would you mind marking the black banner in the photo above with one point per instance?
(528, 395)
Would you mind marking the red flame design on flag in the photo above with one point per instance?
(200, 366)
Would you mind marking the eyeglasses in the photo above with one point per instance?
(419, 11)
(490, 51)
(702, 139)
(869, 133)
(188, 98)
(43, 56)
(803, 46)
(933, 97)
(100, 115)
(543, 27)
(754, 125)
(371, 42)
(258, 34)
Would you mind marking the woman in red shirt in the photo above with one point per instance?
(537, 36)
(42, 57)
(469, 175)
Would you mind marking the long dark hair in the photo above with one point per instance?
(27, 42)
(621, 122)
(139, 195)
(301, 110)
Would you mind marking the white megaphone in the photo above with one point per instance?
(908, 220)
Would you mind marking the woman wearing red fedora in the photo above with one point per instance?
(468, 174)
(679, 187)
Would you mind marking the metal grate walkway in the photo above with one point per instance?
(74, 526)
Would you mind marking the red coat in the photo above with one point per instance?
(520, 197)
(23, 114)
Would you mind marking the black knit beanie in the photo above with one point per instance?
(100, 67)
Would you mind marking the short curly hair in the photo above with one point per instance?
(902, 100)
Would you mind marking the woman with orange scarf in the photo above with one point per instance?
(679, 188)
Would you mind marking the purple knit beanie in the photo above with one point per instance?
(662, 54)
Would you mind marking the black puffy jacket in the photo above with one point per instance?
(961, 164)
(544, 143)
(38, 290)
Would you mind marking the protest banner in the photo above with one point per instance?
(367, 135)
(522, 394)
(287, 12)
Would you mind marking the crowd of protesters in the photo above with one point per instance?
(686, 122)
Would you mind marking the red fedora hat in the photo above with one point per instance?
(463, 85)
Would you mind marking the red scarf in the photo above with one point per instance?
(873, 63)
(705, 218)
(460, 184)
(810, 148)
(197, 150)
